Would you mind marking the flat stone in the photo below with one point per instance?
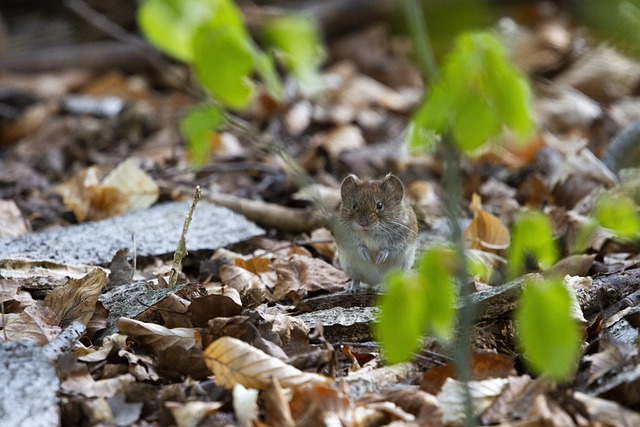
(29, 386)
(157, 231)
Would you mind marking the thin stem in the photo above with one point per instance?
(452, 185)
(467, 312)
(421, 42)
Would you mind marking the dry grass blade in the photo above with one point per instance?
(236, 362)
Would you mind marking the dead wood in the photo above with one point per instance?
(97, 56)
(269, 215)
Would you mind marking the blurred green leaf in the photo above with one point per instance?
(548, 335)
(438, 291)
(614, 20)
(402, 317)
(619, 214)
(265, 66)
(226, 15)
(296, 39)
(171, 24)
(478, 94)
(224, 63)
(532, 235)
(198, 127)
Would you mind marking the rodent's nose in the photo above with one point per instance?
(363, 221)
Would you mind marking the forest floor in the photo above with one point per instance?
(95, 182)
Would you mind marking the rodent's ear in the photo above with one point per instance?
(349, 186)
(392, 185)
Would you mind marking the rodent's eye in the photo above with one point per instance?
(354, 205)
(379, 205)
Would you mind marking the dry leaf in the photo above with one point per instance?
(276, 406)
(301, 273)
(83, 383)
(36, 323)
(314, 405)
(190, 414)
(328, 246)
(256, 265)
(485, 232)
(245, 405)
(158, 337)
(77, 299)
(483, 393)
(12, 224)
(607, 412)
(126, 188)
(236, 362)
(250, 286)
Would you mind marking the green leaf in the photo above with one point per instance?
(401, 321)
(296, 39)
(225, 15)
(438, 290)
(198, 127)
(224, 62)
(171, 24)
(619, 214)
(265, 66)
(475, 122)
(532, 235)
(548, 335)
(478, 94)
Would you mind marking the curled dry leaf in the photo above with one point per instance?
(249, 285)
(77, 299)
(315, 405)
(36, 323)
(236, 362)
(126, 188)
(306, 274)
(157, 336)
(485, 232)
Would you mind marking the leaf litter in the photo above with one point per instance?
(152, 354)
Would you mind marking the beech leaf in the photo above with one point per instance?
(236, 362)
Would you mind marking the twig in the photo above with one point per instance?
(114, 30)
(118, 33)
(181, 251)
(65, 341)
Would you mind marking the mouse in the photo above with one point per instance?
(376, 229)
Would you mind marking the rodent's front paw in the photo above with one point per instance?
(382, 256)
(364, 252)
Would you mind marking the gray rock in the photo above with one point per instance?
(29, 386)
(157, 231)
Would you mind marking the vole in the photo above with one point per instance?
(376, 230)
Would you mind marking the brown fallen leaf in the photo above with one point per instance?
(126, 188)
(235, 362)
(12, 224)
(77, 299)
(314, 405)
(276, 407)
(249, 285)
(36, 323)
(485, 232)
(157, 336)
(190, 414)
(301, 273)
